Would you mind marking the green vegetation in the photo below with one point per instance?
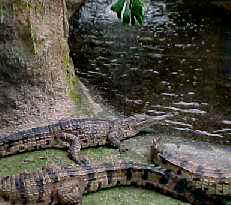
(71, 78)
(118, 7)
(128, 196)
(131, 11)
(137, 11)
(127, 14)
(31, 161)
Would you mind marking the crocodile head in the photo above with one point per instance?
(128, 127)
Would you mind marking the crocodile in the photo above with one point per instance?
(61, 184)
(207, 166)
(75, 133)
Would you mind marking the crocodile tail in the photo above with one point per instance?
(150, 177)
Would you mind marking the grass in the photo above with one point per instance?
(32, 161)
(128, 196)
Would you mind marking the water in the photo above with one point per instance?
(178, 62)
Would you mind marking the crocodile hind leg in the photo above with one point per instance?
(74, 149)
(115, 142)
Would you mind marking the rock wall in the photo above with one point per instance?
(37, 80)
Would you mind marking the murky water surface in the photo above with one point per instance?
(178, 62)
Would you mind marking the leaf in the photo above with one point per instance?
(137, 9)
(133, 11)
(126, 15)
(118, 6)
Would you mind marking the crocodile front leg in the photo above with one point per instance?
(74, 148)
(114, 141)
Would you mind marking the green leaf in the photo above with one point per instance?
(137, 9)
(133, 11)
(118, 7)
(126, 15)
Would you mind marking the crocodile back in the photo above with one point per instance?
(91, 132)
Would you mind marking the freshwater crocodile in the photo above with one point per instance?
(75, 134)
(207, 166)
(66, 185)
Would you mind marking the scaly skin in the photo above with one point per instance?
(75, 134)
(66, 185)
(212, 182)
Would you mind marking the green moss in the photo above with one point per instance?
(33, 37)
(102, 154)
(27, 5)
(22, 4)
(75, 91)
(35, 160)
(32, 161)
(129, 196)
(71, 79)
(66, 61)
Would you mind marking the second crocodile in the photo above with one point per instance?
(65, 185)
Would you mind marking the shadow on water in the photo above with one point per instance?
(178, 62)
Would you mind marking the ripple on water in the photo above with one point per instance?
(187, 104)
